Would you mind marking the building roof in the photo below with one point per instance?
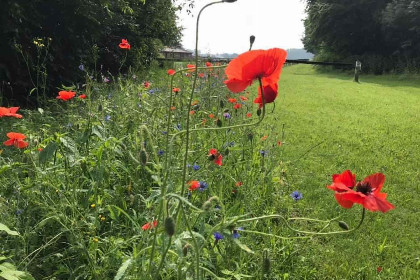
(175, 50)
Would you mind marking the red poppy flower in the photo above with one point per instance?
(146, 84)
(215, 156)
(66, 95)
(232, 100)
(82, 96)
(16, 139)
(9, 112)
(176, 90)
(193, 185)
(208, 64)
(237, 106)
(211, 116)
(243, 98)
(249, 66)
(191, 67)
(238, 184)
(248, 115)
(192, 112)
(367, 192)
(201, 75)
(173, 108)
(149, 225)
(171, 72)
(124, 44)
(279, 143)
(264, 137)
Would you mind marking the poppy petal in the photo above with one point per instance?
(343, 202)
(9, 142)
(16, 136)
(376, 181)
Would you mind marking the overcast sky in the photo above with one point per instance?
(226, 27)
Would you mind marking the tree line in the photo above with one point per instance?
(45, 44)
(383, 34)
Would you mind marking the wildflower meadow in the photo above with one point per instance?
(252, 169)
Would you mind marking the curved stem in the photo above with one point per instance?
(274, 216)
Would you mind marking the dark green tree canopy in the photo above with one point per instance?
(82, 32)
(382, 30)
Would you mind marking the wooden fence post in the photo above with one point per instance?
(357, 70)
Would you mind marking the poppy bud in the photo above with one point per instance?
(221, 103)
(343, 225)
(143, 157)
(266, 263)
(170, 226)
(219, 123)
(259, 112)
(229, 1)
(250, 136)
(251, 39)
(185, 249)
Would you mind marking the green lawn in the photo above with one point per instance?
(333, 124)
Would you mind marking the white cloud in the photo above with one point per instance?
(226, 27)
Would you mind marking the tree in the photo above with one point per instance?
(81, 31)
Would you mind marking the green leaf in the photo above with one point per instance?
(5, 228)
(243, 246)
(47, 153)
(123, 269)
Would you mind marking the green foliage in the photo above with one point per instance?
(73, 33)
(382, 34)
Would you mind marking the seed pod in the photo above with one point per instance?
(266, 263)
(250, 136)
(170, 226)
(219, 123)
(143, 157)
(221, 103)
(259, 112)
(343, 225)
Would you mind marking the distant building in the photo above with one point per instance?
(176, 53)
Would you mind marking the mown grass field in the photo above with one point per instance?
(333, 124)
(80, 204)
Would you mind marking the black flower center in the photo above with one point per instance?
(364, 187)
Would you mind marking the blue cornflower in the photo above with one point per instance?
(231, 144)
(226, 115)
(178, 126)
(217, 207)
(218, 236)
(19, 211)
(107, 118)
(203, 186)
(188, 165)
(160, 152)
(164, 132)
(109, 96)
(296, 195)
(82, 67)
(151, 91)
(263, 153)
(196, 167)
